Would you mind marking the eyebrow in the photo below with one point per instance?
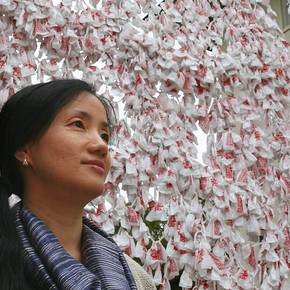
(89, 116)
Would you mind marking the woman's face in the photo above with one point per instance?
(73, 154)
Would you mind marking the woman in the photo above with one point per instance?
(54, 155)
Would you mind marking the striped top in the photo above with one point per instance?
(49, 266)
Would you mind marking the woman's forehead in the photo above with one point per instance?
(87, 105)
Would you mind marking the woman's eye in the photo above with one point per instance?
(105, 137)
(79, 124)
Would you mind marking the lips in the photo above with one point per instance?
(97, 163)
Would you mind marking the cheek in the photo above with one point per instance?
(56, 152)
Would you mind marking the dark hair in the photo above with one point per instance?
(24, 118)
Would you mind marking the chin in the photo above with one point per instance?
(96, 191)
(90, 188)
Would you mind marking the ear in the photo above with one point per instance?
(22, 154)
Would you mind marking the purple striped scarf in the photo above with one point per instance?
(49, 266)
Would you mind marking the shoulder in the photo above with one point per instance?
(141, 277)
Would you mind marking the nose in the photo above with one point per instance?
(98, 145)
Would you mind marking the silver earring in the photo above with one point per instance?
(25, 163)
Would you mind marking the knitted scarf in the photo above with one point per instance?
(49, 266)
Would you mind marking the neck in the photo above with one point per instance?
(62, 218)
